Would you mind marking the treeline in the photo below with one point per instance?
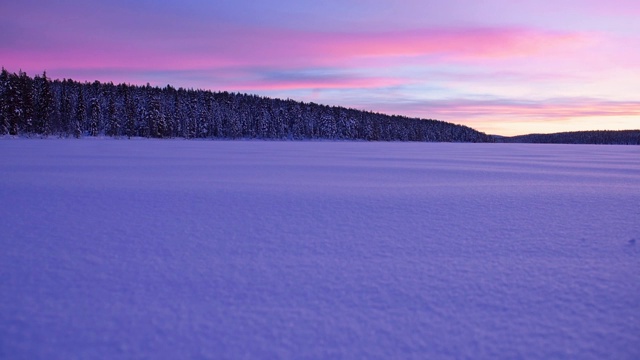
(40, 106)
(621, 137)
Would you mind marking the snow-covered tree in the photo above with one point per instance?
(44, 108)
(113, 124)
(94, 118)
(4, 102)
(80, 115)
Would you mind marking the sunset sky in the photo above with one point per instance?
(500, 66)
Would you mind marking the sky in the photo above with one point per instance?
(500, 66)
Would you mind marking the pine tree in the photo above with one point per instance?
(94, 118)
(44, 105)
(264, 121)
(177, 115)
(4, 102)
(80, 115)
(155, 119)
(65, 110)
(26, 102)
(112, 118)
(130, 114)
(13, 104)
(192, 121)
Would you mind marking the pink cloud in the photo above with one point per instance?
(464, 43)
(554, 109)
(228, 46)
(282, 48)
(316, 84)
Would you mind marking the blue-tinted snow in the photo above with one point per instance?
(250, 249)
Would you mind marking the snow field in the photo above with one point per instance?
(252, 249)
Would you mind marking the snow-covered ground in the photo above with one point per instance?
(251, 249)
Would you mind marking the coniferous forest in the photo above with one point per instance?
(40, 106)
(620, 137)
(43, 107)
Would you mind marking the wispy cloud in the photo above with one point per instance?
(551, 109)
(226, 45)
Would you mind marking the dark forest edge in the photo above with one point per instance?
(41, 107)
(609, 137)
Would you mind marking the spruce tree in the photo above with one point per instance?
(26, 102)
(44, 105)
(13, 104)
(94, 118)
(130, 114)
(65, 111)
(155, 119)
(4, 102)
(80, 115)
(112, 118)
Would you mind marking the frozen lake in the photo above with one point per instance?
(251, 249)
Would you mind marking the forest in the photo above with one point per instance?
(609, 137)
(40, 107)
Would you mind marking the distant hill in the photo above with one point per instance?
(42, 107)
(622, 137)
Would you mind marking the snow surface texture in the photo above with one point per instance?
(250, 249)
